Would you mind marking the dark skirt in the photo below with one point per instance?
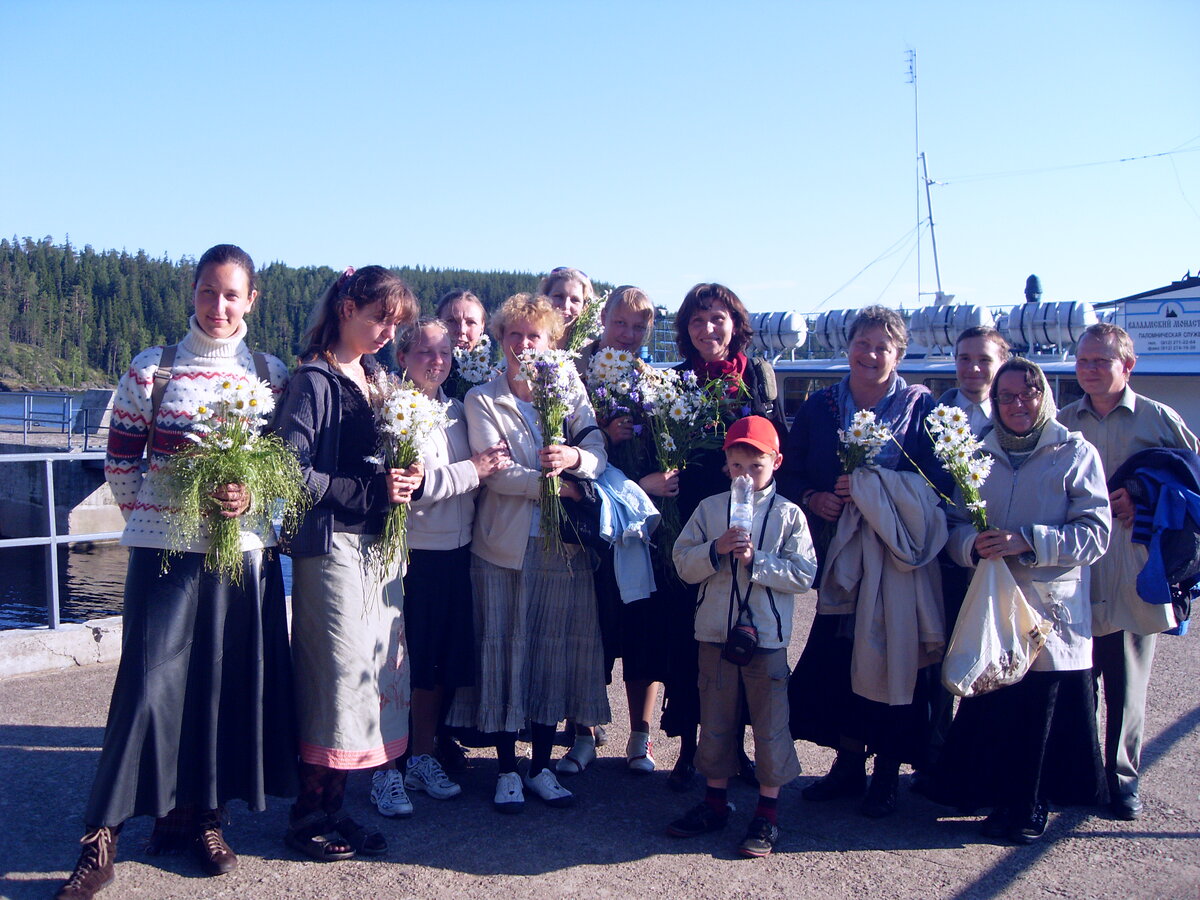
(202, 708)
(826, 711)
(438, 618)
(681, 693)
(632, 632)
(1035, 740)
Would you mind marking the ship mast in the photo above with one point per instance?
(923, 181)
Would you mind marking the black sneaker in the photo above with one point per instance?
(761, 838)
(997, 824)
(1029, 829)
(845, 779)
(451, 755)
(700, 819)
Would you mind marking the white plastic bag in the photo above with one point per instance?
(997, 635)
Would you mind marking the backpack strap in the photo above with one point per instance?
(261, 369)
(162, 375)
(766, 388)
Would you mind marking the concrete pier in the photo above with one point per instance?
(612, 843)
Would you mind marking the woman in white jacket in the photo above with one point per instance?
(537, 635)
(1019, 748)
(437, 584)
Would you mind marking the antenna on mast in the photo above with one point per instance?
(923, 181)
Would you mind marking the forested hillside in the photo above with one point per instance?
(71, 317)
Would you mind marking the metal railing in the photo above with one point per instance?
(50, 412)
(52, 540)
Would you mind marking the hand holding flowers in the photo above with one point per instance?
(958, 450)
(230, 470)
(407, 420)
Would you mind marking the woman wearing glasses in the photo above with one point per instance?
(1023, 746)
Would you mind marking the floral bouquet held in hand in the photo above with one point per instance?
(227, 447)
(683, 416)
(586, 326)
(861, 443)
(553, 382)
(614, 388)
(407, 420)
(957, 448)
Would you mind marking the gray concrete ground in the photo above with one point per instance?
(611, 844)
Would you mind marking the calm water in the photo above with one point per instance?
(91, 581)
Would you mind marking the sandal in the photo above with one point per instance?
(368, 843)
(308, 835)
(578, 758)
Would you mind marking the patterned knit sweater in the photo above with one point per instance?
(143, 493)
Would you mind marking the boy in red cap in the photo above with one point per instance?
(748, 581)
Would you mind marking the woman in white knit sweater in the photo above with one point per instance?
(201, 710)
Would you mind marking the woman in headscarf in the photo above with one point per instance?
(1023, 746)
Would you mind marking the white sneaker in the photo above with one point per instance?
(509, 796)
(389, 796)
(578, 758)
(426, 774)
(547, 788)
(639, 753)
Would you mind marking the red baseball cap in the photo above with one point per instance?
(755, 431)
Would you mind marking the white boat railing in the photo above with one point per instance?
(52, 540)
(55, 412)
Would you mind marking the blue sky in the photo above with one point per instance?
(769, 146)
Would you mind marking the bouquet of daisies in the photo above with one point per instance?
(957, 448)
(683, 415)
(473, 366)
(228, 447)
(862, 441)
(407, 419)
(551, 376)
(614, 389)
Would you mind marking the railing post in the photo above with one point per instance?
(52, 549)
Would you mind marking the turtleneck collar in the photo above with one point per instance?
(200, 343)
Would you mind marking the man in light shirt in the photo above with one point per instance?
(1120, 422)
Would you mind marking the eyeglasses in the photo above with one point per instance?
(1097, 362)
(1027, 397)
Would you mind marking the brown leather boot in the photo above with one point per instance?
(209, 847)
(94, 870)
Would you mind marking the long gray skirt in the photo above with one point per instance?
(348, 652)
(537, 644)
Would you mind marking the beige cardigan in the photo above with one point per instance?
(510, 496)
(882, 566)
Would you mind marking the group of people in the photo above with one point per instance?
(491, 634)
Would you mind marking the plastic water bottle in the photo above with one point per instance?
(741, 504)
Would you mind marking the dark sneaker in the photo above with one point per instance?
(881, 795)
(682, 777)
(700, 819)
(94, 870)
(761, 838)
(997, 824)
(451, 755)
(845, 779)
(209, 848)
(1026, 830)
(1126, 807)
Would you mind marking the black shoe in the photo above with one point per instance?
(881, 795)
(761, 838)
(1028, 829)
(700, 819)
(601, 735)
(682, 777)
(94, 870)
(997, 824)
(845, 779)
(451, 755)
(1126, 807)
